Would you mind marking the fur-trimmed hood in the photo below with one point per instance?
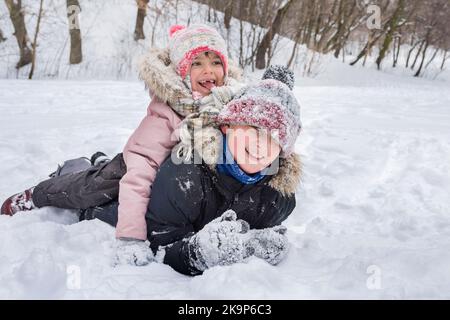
(207, 144)
(160, 76)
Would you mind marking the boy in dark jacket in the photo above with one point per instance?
(229, 205)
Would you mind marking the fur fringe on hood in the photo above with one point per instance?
(160, 76)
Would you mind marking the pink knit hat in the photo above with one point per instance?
(186, 43)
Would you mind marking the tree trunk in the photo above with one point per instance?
(294, 49)
(370, 43)
(393, 25)
(444, 59)
(367, 51)
(176, 12)
(393, 52)
(335, 41)
(351, 21)
(209, 13)
(417, 55)
(397, 46)
(20, 31)
(362, 53)
(268, 37)
(141, 13)
(337, 51)
(294, 52)
(73, 10)
(423, 59)
(2, 38)
(311, 7)
(432, 57)
(410, 52)
(241, 44)
(33, 60)
(228, 13)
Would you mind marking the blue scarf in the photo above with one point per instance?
(229, 167)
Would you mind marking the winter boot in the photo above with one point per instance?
(99, 158)
(21, 201)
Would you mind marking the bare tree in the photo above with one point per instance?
(20, 31)
(396, 49)
(424, 53)
(374, 35)
(228, 13)
(2, 38)
(327, 25)
(418, 42)
(432, 57)
(73, 10)
(433, 29)
(266, 42)
(347, 18)
(241, 44)
(141, 13)
(445, 45)
(444, 59)
(323, 25)
(158, 12)
(36, 32)
(294, 49)
(419, 51)
(393, 25)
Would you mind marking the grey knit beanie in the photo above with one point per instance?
(269, 104)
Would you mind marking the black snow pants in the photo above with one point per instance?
(95, 186)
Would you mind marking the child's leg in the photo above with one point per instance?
(107, 213)
(93, 187)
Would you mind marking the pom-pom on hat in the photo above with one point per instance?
(186, 43)
(280, 73)
(269, 104)
(175, 28)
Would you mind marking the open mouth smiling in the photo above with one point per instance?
(252, 155)
(208, 84)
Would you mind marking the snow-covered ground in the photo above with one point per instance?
(372, 217)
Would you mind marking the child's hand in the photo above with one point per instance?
(132, 252)
(220, 242)
(270, 244)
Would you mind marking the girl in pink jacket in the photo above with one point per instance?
(189, 82)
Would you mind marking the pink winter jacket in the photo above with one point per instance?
(146, 149)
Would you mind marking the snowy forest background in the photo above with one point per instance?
(102, 39)
(372, 219)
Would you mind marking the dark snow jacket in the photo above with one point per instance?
(185, 197)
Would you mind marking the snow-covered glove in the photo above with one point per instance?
(132, 252)
(220, 242)
(270, 244)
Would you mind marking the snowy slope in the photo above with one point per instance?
(372, 217)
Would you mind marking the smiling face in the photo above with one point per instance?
(253, 149)
(206, 72)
